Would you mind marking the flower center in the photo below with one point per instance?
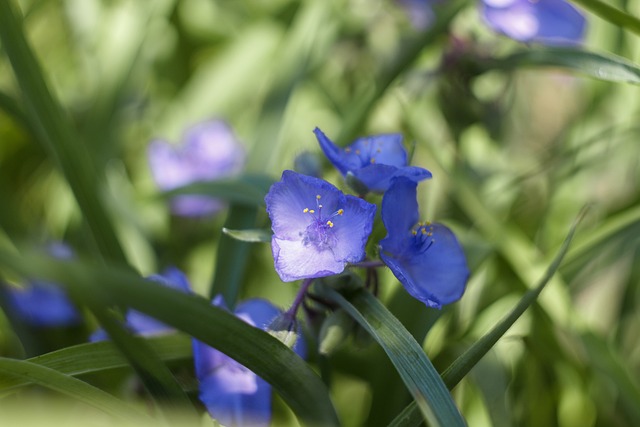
(423, 236)
(367, 152)
(320, 232)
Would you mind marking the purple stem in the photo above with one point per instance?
(291, 313)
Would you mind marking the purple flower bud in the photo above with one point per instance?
(233, 394)
(550, 22)
(426, 258)
(316, 228)
(372, 160)
(209, 151)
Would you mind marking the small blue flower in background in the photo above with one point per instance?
(209, 151)
(45, 304)
(551, 22)
(426, 258)
(140, 323)
(233, 394)
(419, 12)
(316, 228)
(372, 160)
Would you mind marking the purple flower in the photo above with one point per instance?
(372, 160)
(316, 228)
(45, 304)
(209, 151)
(426, 258)
(233, 394)
(551, 22)
(420, 12)
(140, 323)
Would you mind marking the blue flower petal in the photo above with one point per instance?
(221, 395)
(294, 260)
(427, 260)
(352, 229)
(399, 212)
(342, 160)
(436, 276)
(43, 304)
(551, 22)
(378, 177)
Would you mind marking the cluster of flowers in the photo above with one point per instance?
(318, 230)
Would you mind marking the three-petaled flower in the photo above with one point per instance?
(551, 22)
(426, 258)
(233, 394)
(373, 161)
(317, 229)
(209, 151)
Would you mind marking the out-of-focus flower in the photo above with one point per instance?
(373, 160)
(233, 394)
(140, 323)
(316, 228)
(551, 22)
(209, 151)
(420, 12)
(44, 304)
(426, 258)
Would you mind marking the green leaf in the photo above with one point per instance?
(290, 376)
(597, 65)
(246, 190)
(611, 14)
(413, 365)
(233, 255)
(255, 235)
(46, 377)
(100, 356)
(410, 416)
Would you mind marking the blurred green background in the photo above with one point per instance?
(515, 156)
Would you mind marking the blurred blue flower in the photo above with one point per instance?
(44, 304)
(426, 258)
(233, 394)
(140, 323)
(420, 12)
(551, 22)
(372, 160)
(316, 228)
(209, 151)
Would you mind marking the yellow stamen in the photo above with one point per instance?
(414, 232)
(330, 224)
(312, 211)
(423, 231)
(340, 211)
(373, 161)
(306, 210)
(318, 196)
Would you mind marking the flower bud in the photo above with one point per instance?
(285, 329)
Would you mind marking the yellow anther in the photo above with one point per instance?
(423, 231)
(340, 211)
(312, 211)
(427, 223)
(330, 224)
(414, 232)
(373, 161)
(420, 224)
(305, 210)
(430, 234)
(318, 196)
